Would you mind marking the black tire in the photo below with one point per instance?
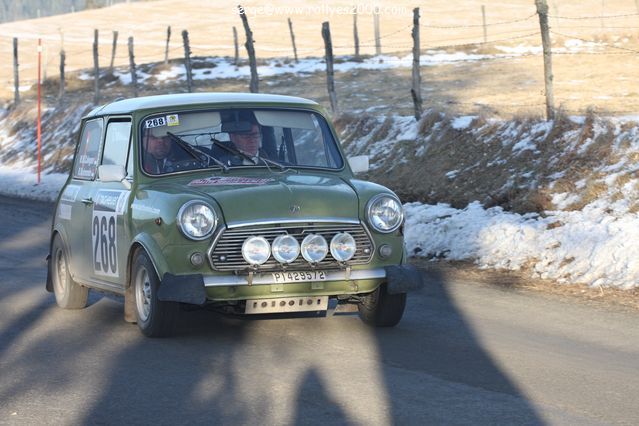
(68, 293)
(154, 317)
(381, 309)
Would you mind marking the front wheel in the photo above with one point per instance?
(68, 293)
(154, 317)
(381, 309)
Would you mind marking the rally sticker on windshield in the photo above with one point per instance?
(227, 180)
(104, 234)
(172, 120)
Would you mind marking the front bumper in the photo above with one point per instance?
(197, 289)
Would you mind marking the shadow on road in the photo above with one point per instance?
(437, 371)
(89, 367)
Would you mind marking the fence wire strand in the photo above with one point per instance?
(448, 27)
(577, 18)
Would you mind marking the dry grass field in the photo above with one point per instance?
(601, 76)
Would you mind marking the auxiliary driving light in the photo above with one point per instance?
(314, 248)
(285, 249)
(343, 247)
(256, 250)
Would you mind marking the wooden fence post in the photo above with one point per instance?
(115, 45)
(62, 59)
(96, 69)
(542, 11)
(330, 83)
(355, 35)
(237, 49)
(250, 49)
(290, 27)
(134, 75)
(166, 49)
(416, 90)
(187, 60)
(483, 19)
(378, 43)
(16, 76)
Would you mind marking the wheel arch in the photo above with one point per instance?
(57, 231)
(146, 243)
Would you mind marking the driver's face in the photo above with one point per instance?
(249, 143)
(159, 147)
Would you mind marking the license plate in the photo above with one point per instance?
(299, 276)
(287, 304)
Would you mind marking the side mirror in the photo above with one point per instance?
(113, 173)
(359, 164)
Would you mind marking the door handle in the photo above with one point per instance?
(87, 201)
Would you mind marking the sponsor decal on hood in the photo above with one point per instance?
(228, 180)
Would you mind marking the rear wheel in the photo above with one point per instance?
(381, 309)
(154, 317)
(68, 293)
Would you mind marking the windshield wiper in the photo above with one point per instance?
(196, 152)
(232, 150)
(280, 166)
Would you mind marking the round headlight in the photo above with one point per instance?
(256, 250)
(196, 220)
(384, 213)
(285, 249)
(343, 247)
(314, 248)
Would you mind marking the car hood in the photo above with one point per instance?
(278, 198)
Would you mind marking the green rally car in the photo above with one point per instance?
(244, 202)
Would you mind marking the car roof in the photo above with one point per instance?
(128, 106)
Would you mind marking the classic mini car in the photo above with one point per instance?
(243, 202)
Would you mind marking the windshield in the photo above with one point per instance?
(174, 142)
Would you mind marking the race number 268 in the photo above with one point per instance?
(103, 230)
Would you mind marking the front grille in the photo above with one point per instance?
(229, 244)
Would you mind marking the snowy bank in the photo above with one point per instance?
(22, 183)
(595, 246)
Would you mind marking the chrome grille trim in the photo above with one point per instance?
(228, 242)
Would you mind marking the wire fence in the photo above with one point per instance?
(515, 39)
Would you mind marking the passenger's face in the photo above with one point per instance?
(159, 147)
(249, 143)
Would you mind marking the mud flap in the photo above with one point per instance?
(182, 288)
(403, 278)
(49, 284)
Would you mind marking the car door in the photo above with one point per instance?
(108, 238)
(75, 207)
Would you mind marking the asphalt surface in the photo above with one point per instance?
(465, 353)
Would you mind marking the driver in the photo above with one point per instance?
(158, 152)
(249, 142)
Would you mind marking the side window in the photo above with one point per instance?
(116, 142)
(86, 161)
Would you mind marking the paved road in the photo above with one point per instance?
(465, 353)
